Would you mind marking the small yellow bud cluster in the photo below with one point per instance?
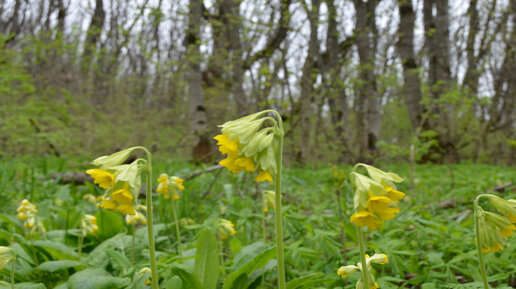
(170, 186)
(89, 225)
(345, 271)
(138, 218)
(27, 212)
(121, 181)
(249, 145)
(224, 228)
(90, 198)
(494, 228)
(269, 200)
(375, 198)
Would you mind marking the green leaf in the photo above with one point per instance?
(52, 266)
(299, 282)
(96, 278)
(206, 260)
(119, 258)
(246, 266)
(58, 250)
(109, 223)
(99, 258)
(174, 283)
(188, 278)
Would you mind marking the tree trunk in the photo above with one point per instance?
(307, 83)
(198, 118)
(368, 112)
(93, 34)
(412, 84)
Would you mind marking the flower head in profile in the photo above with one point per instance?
(249, 144)
(89, 225)
(506, 207)
(346, 271)
(122, 182)
(225, 228)
(138, 218)
(6, 255)
(170, 186)
(494, 229)
(376, 196)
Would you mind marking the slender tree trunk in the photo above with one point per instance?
(367, 102)
(412, 84)
(198, 118)
(307, 83)
(93, 34)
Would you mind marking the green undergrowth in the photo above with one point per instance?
(430, 244)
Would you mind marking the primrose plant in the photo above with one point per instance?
(492, 229)
(375, 201)
(122, 183)
(254, 143)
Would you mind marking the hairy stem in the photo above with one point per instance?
(479, 249)
(178, 235)
(365, 271)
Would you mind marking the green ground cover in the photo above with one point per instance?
(430, 243)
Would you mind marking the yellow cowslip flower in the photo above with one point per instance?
(170, 185)
(380, 206)
(102, 178)
(138, 218)
(377, 258)
(375, 197)
(269, 200)
(345, 271)
(493, 230)
(249, 144)
(27, 212)
(6, 255)
(364, 218)
(90, 198)
(89, 225)
(225, 228)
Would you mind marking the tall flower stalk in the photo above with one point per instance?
(122, 183)
(170, 186)
(491, 229)
(255, 143)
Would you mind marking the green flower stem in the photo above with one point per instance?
(479, 249)
(264, 228)
(133, 238)
(221, 255)
(79, 246)
(278, 217)
(365, 271)
(12, 271)
(178, 236)
(148, 181)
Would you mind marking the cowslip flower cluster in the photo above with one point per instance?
(225, 228)
(345, 271)
(170, 185)
(138, 218)
(269, 200)
(375, 197)
(495, 228)
(121, 181)
(27, 212)
(249, 144)
(89, 225)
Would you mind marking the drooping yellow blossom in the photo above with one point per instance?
(364, 218)
(249, 144)
(379, 205)
(102, 178)
(6, 255)
(375, 197)
(377, 258)
(90, 198)
(121, 181)
(493, 230)
(138, 218)
(506, 207)
(225, 228)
